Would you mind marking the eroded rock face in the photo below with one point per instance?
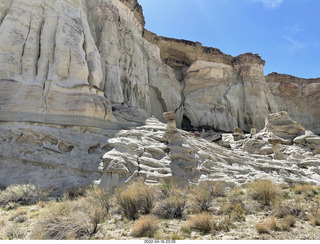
(89, 68)
(65, 62)
(149, 152)
(220, 91)
(300, 97)
(281, 125)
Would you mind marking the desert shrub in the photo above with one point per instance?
(283, 209)
(14, 232)
(203, 195)
(235, 209)
(272, 224)
(288, 222)
(18, 215)
(219, 188)
(264, 191)
(202, 222)
(135, 198)
(98, 198)
(22, 194)
(314, 215)
(175, 236)
(262, 228)
(165, 189)
(172, 207)
(225, 224)
(73, 219)
(186, 230)
(145, 226)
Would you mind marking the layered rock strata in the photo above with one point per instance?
(219, 91)
(80, 79)
(299, 97)
(65, 62)
(156, 154)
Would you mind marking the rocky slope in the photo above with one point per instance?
(76, 73)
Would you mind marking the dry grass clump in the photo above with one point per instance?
(283, 209)
(203, 195)
(175, 236)
(306, 189)
(136, 197)
(314, 215)
(235, 209)
(21, 194)
(19, 216)
(145, 226)
(14, 232)
(272, 224)
(288, 222)
(225, 224)
(264, 191)
(171, 207)
(73, 219)
(262, 228)
(203, 222)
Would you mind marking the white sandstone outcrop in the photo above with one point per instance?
(81, 79)
(183, 158)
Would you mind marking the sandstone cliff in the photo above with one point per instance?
(80, 79)
(63, 62)
(300, 97)
(219, 91)
(67, 62)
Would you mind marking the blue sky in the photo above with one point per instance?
(285, 33)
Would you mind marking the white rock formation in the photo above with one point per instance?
(184, 158)
(76, 73)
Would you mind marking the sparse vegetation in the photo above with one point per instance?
(172, 207)
(288, 222)
(203, 222)
(14, 232)
(264, 191)
(135, 198)
(73, 219)
(285, 208)
(306, 189)
(314, 215)
(203, 195)
(145, 226)
(21, 194)
(235, 209)
(260, 210)
(262, 228)
(272, 224)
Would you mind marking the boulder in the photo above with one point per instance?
(281, 125)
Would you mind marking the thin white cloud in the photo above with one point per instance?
(271, 4)
(294, 29)
(294, 45)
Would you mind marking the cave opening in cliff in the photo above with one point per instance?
(186, 124)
